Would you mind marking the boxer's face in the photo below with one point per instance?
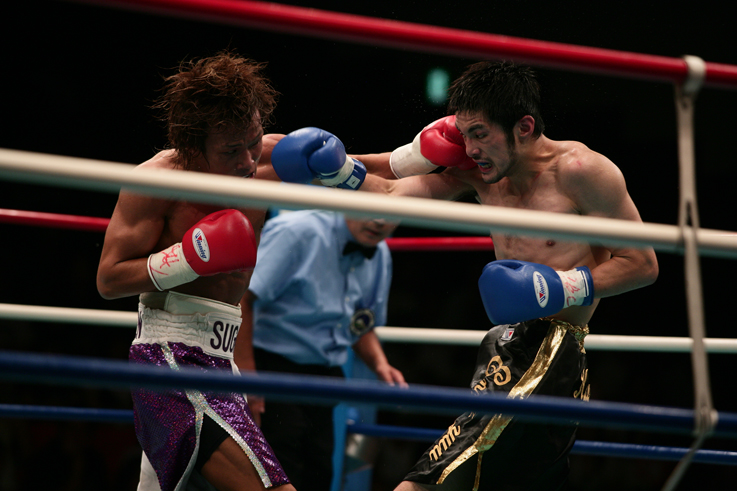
(234, 152)
(487, 144)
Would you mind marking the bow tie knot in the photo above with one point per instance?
(368, 252)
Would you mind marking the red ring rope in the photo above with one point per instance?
(94, 224)
(433, 39)
(440, 243)
(53, 220)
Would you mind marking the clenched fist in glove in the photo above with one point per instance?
(516, 291)
(438, 144)
(222, 242)
(312, 153)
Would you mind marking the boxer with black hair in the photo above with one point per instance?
(541, 292)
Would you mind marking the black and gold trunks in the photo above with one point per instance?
(499, 452)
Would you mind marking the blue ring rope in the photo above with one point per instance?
(94, 372)
(581, 447)
(59, 413)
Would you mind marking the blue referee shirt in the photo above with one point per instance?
(308, 291)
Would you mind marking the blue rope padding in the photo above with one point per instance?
(57, 413)
(581, 447)
(93, 372)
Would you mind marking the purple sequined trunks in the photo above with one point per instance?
(177, 330)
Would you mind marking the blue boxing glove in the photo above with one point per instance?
(516, 291)
(312, 153)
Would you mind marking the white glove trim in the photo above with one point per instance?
(575, 287)
(408, 160)
(342, 175)
(172, 270)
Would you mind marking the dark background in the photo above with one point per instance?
(78, 79)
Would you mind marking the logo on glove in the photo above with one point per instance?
(541, 289)
(200, 245)
(508, 333)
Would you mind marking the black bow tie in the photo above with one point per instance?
(368, 252)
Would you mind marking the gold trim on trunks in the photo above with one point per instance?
(524, 388)
(578, 332)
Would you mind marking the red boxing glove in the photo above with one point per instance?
(442, 144)
(438, 144)
(222, 242)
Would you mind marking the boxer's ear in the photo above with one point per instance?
(524, 128)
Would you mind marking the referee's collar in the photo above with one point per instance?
(353, 246)
(347, 243)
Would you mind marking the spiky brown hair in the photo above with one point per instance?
(224, 92)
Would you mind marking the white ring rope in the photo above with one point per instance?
(696, 75)
(104, 176)
(688, 221)
(37, 313)
(413, 335)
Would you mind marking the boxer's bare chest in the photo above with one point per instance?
(545, 195)
(183, 215)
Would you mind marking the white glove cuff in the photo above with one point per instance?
(342, 175)
(168, 268)
(407, 160)
(576, 287)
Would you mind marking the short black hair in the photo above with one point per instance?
(502, 91)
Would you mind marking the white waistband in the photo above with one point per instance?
(180, 303)
(195, 321)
